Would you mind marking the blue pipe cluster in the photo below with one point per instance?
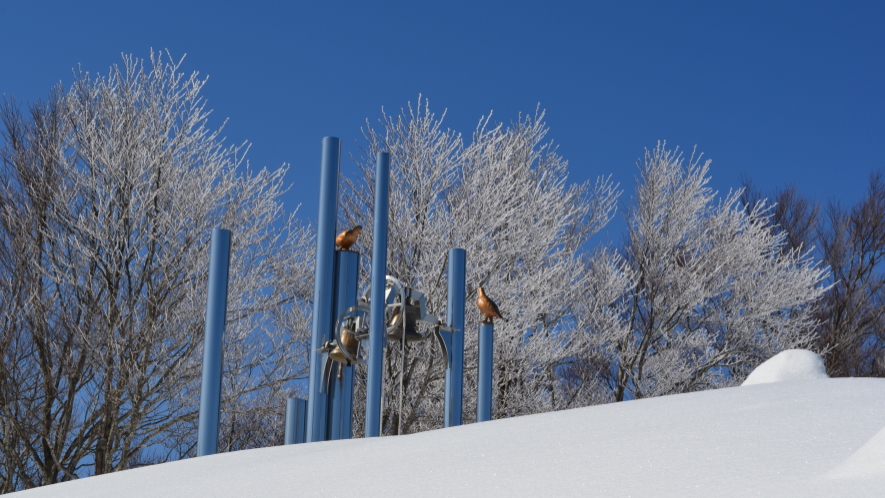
(327, 414)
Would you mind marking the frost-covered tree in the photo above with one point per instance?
(701, 292)
(109, 194)
(506, 199)
(851, 241)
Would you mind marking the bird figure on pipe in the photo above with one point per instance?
(348, 238)
(488, 308)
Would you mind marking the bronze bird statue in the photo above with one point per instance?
(347, 238)
(488, 307)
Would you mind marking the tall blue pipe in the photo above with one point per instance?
(216, 314)
(323, 286)
(484, 375)
(377, 328)
(455, 319)
(340, 417)
(296, 423)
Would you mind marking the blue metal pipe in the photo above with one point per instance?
(296, 420)
(484, 375)
(340, 417)
(377, 328)
(323, 286)
(455, 319)
(216, 315)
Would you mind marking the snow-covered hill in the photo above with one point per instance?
(808, 438)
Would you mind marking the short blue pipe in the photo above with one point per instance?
(340, 417)
(484, 375)
(377, 328)
(216, 314)
(296, 420)
(323, 286)
(455, 319)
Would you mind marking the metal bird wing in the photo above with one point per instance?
(494, 309)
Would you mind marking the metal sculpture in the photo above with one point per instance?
(403, 309)
(388, 310)
(358, 332)
(352, 326)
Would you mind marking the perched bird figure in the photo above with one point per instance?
(347, 238)
(488, 307)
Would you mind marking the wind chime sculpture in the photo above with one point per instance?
(404, 308)
(348, 331)
(342, 325)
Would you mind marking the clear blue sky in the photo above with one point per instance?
(782, 91)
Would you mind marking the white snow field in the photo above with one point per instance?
(805, 438)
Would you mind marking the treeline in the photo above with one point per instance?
(109, 191)
(850, 241)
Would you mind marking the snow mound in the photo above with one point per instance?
(868, 461)
(792, 364)
(814, 439)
